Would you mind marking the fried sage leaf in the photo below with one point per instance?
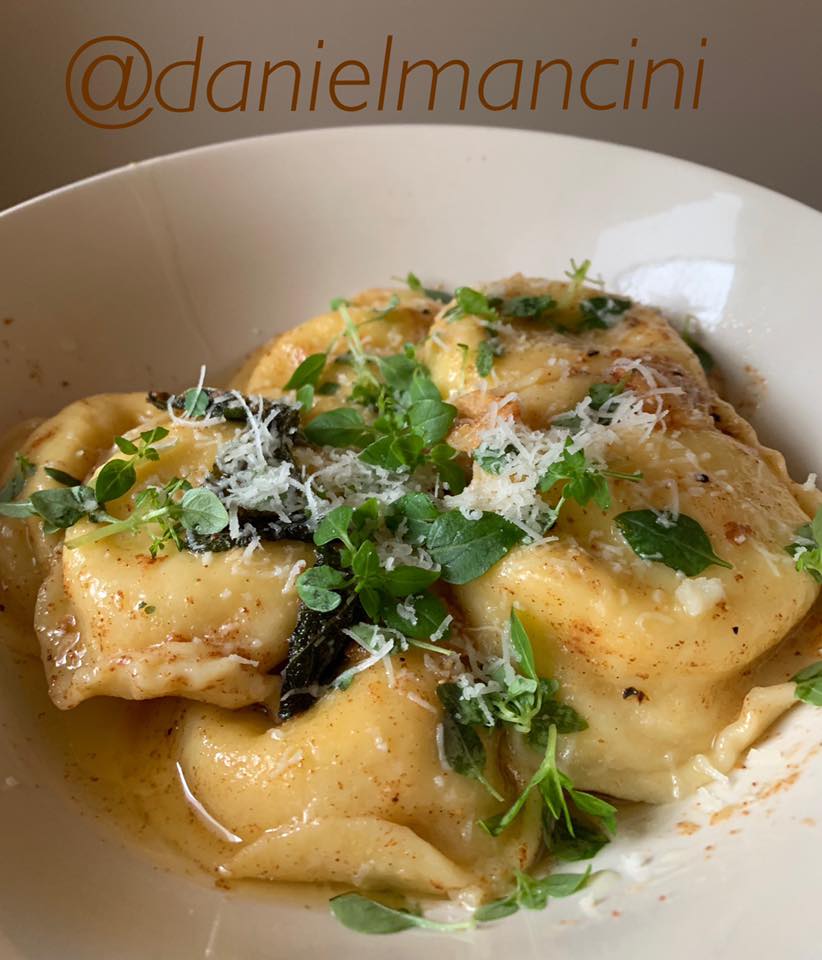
(315, 650)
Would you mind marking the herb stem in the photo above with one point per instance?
(490, 787)
(110, 530)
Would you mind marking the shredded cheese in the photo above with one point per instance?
(697, 595)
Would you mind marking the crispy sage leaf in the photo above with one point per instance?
(315, 650)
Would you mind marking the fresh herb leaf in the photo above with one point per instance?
(463, 748)
(596, 311)
(471, 303)
(555, 788)
(495, 825)
(413, 283)
(62, 477)
(202, 511)
(377, 588)
(404, 580)
(422, 387)
(147, 437)
(431, 419)
(578, 274)
(418, 512)
(552, 787)
(343, 427)
(335, 526)
(308, 372)
(522, 646)
(365, 563)
(126, 446)
(487, 351)
(195, 402)
(62, 507)
(583, 844)
(493, 461)
(398, 372)
(411, 418)
(13, 487)
(533, 893)
(305, 397)
(317, 588)
(364, 915)
(679, 543)
(553, 713)
(115, 479)
(444, 458)
(467, 712)
(528, 308)
(364, 521)
(602, 393)
(17, 509)
(585, 481)
(807, 549)
(497, 909)
(466, 549)
(809, 684)
(338, 302)
(328, 389)
(429, 613)
(397, 452)
(390, 307)
(159, 510)
(595, 807)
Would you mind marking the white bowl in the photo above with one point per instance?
(135, 278)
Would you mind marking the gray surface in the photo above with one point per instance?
(759, 116)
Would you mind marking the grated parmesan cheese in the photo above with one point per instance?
(528, 454)
(697, 595)
(440, 740)
(293, 573)
(421, 702)
(407, 611)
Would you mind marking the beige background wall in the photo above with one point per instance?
(760, 114)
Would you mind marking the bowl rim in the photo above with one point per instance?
(248, 151)
(390, 129)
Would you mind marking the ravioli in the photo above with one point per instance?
(114, 620)
(74, 441)
(466, 701)
(353, 791)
